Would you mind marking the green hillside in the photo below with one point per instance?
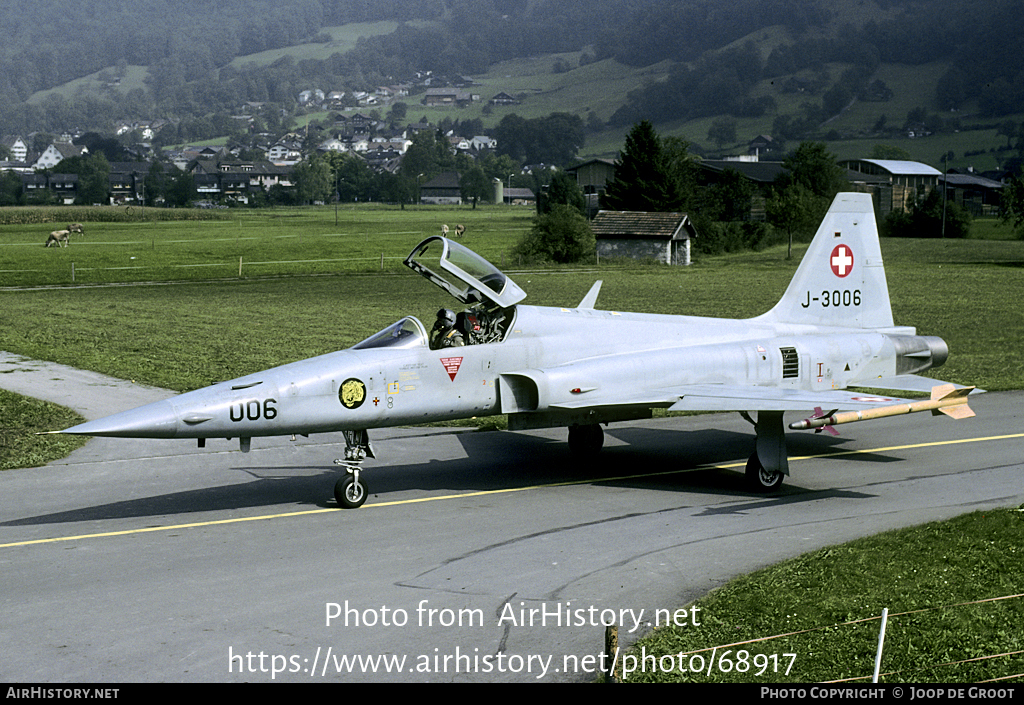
(793, 70)
(342, 39)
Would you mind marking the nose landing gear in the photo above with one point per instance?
(350, 491)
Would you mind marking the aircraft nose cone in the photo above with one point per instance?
(156, 420)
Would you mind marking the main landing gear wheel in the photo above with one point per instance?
(350, 492)
(761, 479)
(586, 441)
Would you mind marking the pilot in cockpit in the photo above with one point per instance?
(445, 334)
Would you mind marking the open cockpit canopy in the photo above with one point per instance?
(463, 273)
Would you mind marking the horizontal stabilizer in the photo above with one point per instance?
(911, 383)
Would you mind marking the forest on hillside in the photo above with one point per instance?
(981, 48)
(187, 46)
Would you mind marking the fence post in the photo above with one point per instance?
(72, 272)
(239, 267)
(881, 640)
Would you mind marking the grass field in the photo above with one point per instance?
(287, 241)
(21, 419)
(829, 602)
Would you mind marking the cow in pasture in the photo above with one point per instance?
(58, 238)
(76, 228)
(444, 231)
(460, 230)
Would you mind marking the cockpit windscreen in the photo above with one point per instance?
(406, 333)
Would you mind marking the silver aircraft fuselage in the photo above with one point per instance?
(831, 333)
(545, 373)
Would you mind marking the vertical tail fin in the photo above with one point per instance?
(841, 280)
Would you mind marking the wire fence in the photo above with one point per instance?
(725, 658)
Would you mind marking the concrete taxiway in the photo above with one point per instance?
(478, 556)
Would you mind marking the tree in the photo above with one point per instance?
(929, 217)
(180, 189)
(730, 198)
(427, 156)
(93, 177)
(794, 210)
(555, 139)
(154, 184)
(722, 131)
(563, 190)
(351, 177)
(398, 112)
(313, 181)
(475, 186)
(682, 170)
(563, 235)
(10, 188)
(110, 147)
(804, 192)
(1013, 204)
(499, 166)
(642, 181)
(816, 169)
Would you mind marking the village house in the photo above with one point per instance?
(482, 142)
(237, 180)
(977, 194)
(504, 99)
(446, 97)
(894, 183)
(593, 177)
(285, 153)
(332, 145)
(335, 100)
(58, 152)
(127, 181)
(442, 190)
(42, 187)
(17, 147)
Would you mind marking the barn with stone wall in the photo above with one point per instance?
(663, 237)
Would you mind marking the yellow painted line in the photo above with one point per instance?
(483, 493)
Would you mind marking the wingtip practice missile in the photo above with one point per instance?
(946, 399)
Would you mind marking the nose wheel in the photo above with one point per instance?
(350, 491)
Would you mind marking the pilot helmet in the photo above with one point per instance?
(446, 318)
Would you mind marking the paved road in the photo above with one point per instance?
(155, 561)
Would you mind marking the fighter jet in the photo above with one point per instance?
(830, 337)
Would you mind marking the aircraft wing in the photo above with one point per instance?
(738, 397)
(715, 397)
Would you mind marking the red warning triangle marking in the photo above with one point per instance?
(451, 365)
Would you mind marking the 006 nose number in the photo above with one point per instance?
(253, 410)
